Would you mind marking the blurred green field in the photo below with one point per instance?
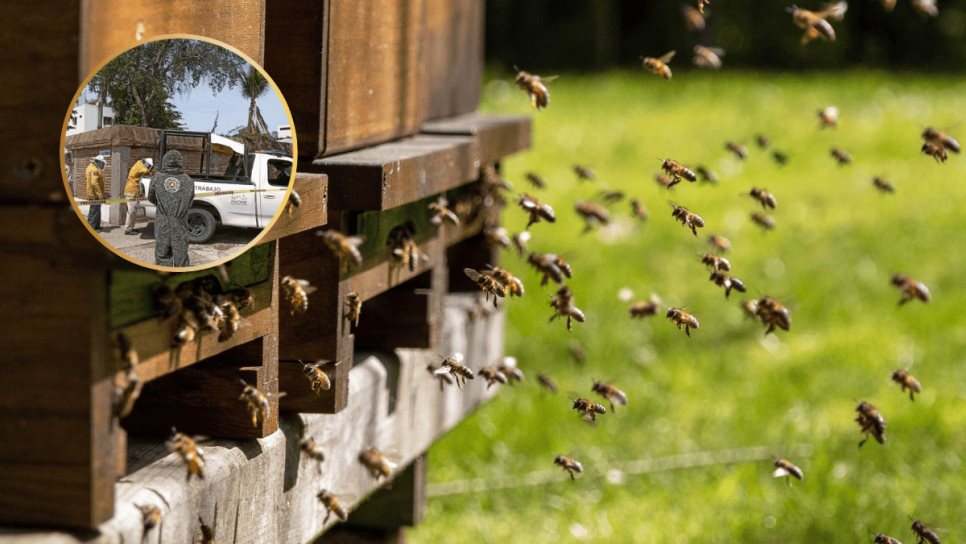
(830, 259)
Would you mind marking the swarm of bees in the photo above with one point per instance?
(870, 422)
(910, 289)
(197, 308)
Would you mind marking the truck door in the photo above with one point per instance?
(275, 173)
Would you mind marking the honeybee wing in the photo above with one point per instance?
(666, 57)
(717, 51)
(472, 274)
(458, 357)
(307, 287)
(780, 473)
(356, 240)
(547, 79)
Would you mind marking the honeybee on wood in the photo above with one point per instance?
(440, 212)
(167, 302)
(584, 173)
(376, 462)
(762, 141)
(405, 250)
(701, 4)
(228, 326)
(537, 210)
(719, 243)
(318, 380)
(773, 314)
(536, 180)
(296, 294)
(814, 23)
(488, 284)
(609, 392)
(257, 403)
(352, 309)
(729, 282)
(645, 308)
(126, 396)
(677, 171)
(243, 298)
(871, 423)
(520, 242)
(907, 381)
(924, 534)
(766, 199)
(535, 86)
(715, 262)
(659, 66)
(509, 369)
(687, 218)
(571, 465)
(563, 306)
(547, 382)
(551, 266)
(186, 330)
(681, 318)
(707, 57)
(828, 117)
(577, 352)
(592, 213)
(940, 139)
(665, 180)
(588, 410)
(312, 450)
(707, 176)
(910, 288)
(492, 375)
(191, 454)
(496, 237)
(885, 539)
(750, 308)
(764, 221)
(150, 516)
(737, 149)
(926, 7)
(208, 532)
(294, 202)
(785, 469)
(883, 185)
(512, 285)
(454, 366)
(841, 156)
(937, 152)
(693, 19)
(345, 248)
(332, 506)
(638, 210)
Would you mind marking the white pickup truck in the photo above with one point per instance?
(254, 185)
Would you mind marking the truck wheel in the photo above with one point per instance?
(201, 225)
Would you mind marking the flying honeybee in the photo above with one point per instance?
(828, 117)
(454, 366)
(150, 516)
(719, 243)
(885, 539)
(910, 288)
(520, 242)
(405, 250)
(537, 210)
(376, 462)
(345, 248)
(353, 308)
(577, 352)
(715, 262)
(609, 392)
(638, 210)
(737, 149)
(488, 284)
(125, 396)
(512, 285)
(677, 171)
(228, 326)
(871, 423)
(926, 7)
(764, 221)
(496, 237)
(440, 212)
(785, 469)
(611, 196)
(588, 409)
(883, 185)
(294, 202)
(750, 308)
(681, 318)
(814, 23)
(659, 66)
(707, 176)
(492, 375)
(312, 449)
(762, 141)
(563, 306)
(665, 180)
(592, 213)
(941, 140)
(571, 465)
(191, 454)
(318, 380)
(584, 173)
(645, 308)
(687, 218)
(924, 534)
(208, 532)
(773, 314)
(547, 382)
(937, 152)
(707, 57)
(907, 381)
(332, 506)
(841, 156)
(729, 282)
(257, 403)
(509, 369)
(296, 293)
(766, 199)
(536, 180)
(551, 266)
(780, 158)
(535, 86)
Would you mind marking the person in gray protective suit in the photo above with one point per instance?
(172, 191)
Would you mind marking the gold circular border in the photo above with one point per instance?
(217, 262)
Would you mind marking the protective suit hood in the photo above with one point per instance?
(172, 162)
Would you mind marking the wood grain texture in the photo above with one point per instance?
(313, 189)
(402, 504)
(451, 56)
(40, 76)
(497, 136)
(110, 27)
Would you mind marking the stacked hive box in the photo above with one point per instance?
(382, 94)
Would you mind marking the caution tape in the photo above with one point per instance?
(88, 202)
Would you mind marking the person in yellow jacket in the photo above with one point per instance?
(132, 189)
(95, 189)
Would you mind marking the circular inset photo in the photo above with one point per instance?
(178, 153)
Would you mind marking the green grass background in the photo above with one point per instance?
(836, 244)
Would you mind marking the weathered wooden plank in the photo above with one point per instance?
(402, 504)
(313, 190)
(55, 233)
(397, 173)
(110, 27)
(497, 136)
(30, 166)
(451, 56)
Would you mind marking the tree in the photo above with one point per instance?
(142, 81)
